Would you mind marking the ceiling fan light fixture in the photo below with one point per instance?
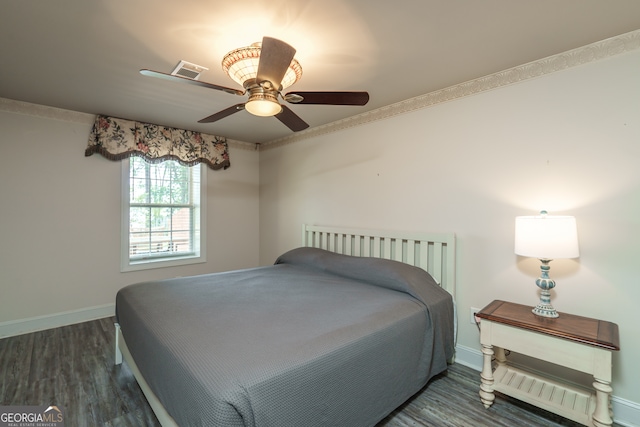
(263, 105)
(242, 65)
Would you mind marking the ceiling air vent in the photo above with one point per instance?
(188, 70)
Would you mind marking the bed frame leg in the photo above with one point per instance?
(118, 353)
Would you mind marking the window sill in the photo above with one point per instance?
(149, 264)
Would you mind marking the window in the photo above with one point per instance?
(162, 214)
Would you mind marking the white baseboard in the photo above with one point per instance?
(40, 323)
(469, 357)
(626, 413)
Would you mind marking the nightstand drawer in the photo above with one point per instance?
(581, 357)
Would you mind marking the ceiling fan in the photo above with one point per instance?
(264, 70)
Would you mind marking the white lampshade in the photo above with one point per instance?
(546, 236)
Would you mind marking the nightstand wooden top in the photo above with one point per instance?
(584, 330)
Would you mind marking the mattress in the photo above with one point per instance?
(317, 339)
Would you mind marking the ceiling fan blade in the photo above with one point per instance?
(275, 58)
(222, 114)
(180, 79)
(328, 98)
(291, 119)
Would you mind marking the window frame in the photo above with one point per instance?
(199, 254)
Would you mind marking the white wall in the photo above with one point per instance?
(568, 142)
(60, 220)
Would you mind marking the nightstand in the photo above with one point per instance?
(575, 342)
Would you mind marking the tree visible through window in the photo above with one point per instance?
(164, 211)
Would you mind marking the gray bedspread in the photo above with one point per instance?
(318, 339)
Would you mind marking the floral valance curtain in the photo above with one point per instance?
(117, 139)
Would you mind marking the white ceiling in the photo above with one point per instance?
(84, 55)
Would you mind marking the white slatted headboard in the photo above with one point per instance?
(434, 252)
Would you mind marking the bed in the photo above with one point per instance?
(338, 332)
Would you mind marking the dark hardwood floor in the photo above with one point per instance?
(72, 367)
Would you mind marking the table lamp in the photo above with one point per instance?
(546, 237)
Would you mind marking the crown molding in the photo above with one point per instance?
(53, 113)
(45, 112)
(593, 52)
